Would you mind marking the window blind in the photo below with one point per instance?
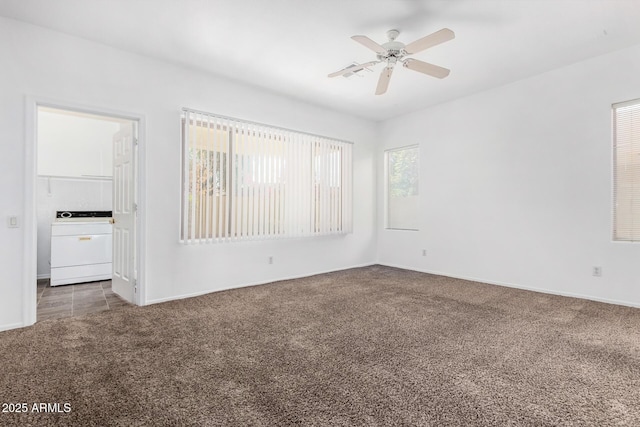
(626, 161)
(245, 181)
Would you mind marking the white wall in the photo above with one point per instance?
(43, 63)
(57, 194)
(516, 184)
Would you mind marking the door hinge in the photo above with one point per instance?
(135, 141)
(135, 207)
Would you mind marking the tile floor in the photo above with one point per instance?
(75, 300)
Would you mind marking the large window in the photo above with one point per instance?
(402, 193)
(626, 171)
(245, 181)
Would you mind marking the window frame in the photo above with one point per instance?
(387, 206)
(326, 185)
(614, 174)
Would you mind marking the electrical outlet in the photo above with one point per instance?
(597, 271)
(424, 252)
(270, 260)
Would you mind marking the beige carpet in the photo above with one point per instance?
(368, 346)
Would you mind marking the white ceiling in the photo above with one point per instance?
(289, 46)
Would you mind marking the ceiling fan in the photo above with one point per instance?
(394, 51)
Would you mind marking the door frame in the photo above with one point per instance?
(30, 193)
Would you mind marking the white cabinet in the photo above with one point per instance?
(75, 144)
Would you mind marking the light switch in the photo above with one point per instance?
(13, 222)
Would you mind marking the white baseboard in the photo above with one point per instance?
(43, 276)
(246, 285)
(11, 326)
(511, 285)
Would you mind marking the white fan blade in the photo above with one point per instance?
(353, 68)
(383, 81)
(426, 68)
(444, 35)
(367, 42)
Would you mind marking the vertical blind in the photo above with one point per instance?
(242, 181)
(626, 180)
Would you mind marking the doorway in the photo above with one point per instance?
(84, 160)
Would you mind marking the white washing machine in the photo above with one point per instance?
(81, 247)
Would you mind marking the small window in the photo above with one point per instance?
(626, 171)
(402, 195)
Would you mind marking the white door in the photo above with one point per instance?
(124, 212)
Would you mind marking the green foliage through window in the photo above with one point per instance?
(403, 172)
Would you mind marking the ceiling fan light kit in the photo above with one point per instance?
(394, 51)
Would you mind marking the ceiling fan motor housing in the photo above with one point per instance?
(394, 46)
(395, 51)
